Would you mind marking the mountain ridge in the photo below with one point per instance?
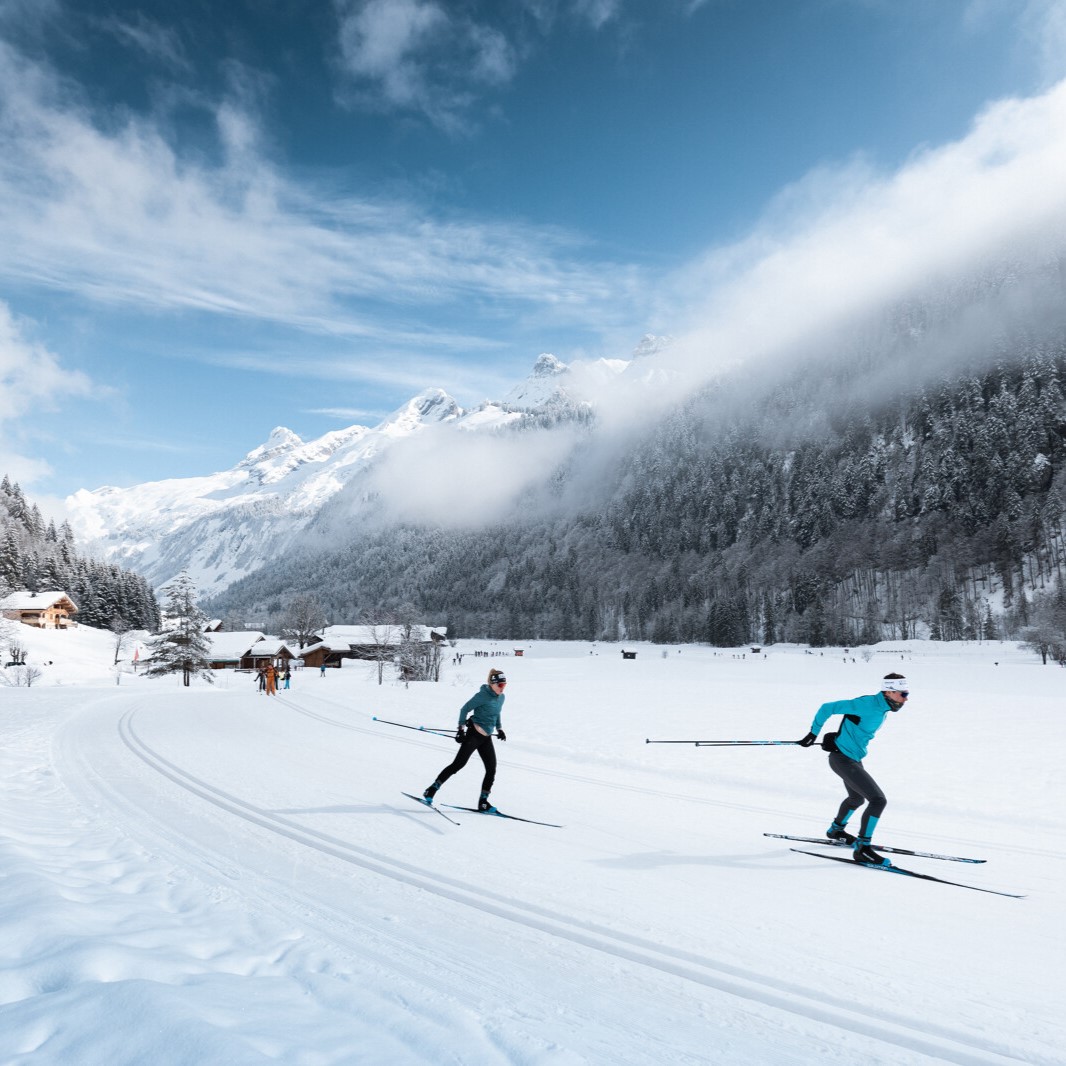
(221, 526)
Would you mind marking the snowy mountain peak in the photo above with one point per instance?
(650, 345)
(547, 366)
(280, 439)
(222, 526)
(428, 407)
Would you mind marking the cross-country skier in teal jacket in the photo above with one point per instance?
(479, 718)
(863, 717)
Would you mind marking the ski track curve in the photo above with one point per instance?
(937, 1041)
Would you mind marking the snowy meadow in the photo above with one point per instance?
(214, 876)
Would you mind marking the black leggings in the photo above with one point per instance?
(483, 745)
(861, 787)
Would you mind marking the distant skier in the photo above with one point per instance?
(863, 717)
(475, 734)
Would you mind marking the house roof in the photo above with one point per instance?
(230, 647)
(385, 634)
(34, 601)
(334, 645)
(271, 646)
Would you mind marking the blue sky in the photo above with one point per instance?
(216, 218)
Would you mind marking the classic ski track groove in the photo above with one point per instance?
(1017, 849)
(941, 1042)
(387, 949)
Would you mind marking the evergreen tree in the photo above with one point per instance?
(182, 647)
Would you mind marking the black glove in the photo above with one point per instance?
(500, 733)
(460, 735)
(807, 741)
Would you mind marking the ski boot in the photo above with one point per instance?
(430, 793)
(837, 832)
(866, 855)
(484, 806)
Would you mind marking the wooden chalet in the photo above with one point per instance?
(270, 652)
(42, 610)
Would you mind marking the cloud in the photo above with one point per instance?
(108, 209)
(31, 382)
(454, 479)
(845, 242)
(418, 57)
(160, 43)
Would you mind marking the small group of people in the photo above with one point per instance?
(480, 719)
(271, 678)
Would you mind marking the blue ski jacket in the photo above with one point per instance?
(486, 707)
(862, 718)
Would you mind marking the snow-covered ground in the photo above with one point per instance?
(213, 876)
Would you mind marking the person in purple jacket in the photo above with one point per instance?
(863, 717)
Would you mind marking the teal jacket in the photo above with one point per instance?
(862, 718)
(486, 707)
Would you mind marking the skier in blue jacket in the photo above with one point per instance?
(475, 734)
(863, 717)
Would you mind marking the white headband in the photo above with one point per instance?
(894, 684)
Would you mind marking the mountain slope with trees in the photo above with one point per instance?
(35, 555)
(742, 517)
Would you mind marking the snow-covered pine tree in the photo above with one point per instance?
(182, 647)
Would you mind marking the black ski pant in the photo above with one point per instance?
(483, 745)
(861, 788)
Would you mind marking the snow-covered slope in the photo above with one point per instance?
(223, 526)
(216, 877)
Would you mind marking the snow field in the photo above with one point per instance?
(214, 876)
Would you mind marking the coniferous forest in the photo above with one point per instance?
(37, 556)
(935, 512)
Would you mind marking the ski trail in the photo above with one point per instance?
(938, 1041)
(781, 813)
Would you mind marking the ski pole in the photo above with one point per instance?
(721, 743)
(419, 728)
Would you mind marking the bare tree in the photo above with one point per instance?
(120, 630)
(303, 619)
(20, 676)
(384, 636)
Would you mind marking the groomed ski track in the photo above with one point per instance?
(216, 846)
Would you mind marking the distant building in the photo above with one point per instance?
(246, 650)
(232, 651)
(366, 642)
(42, 610)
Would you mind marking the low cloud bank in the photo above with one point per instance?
(844, 245)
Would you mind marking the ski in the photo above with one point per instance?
(426, 803)
(500, 814)
(905, 873)
(880, 847)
